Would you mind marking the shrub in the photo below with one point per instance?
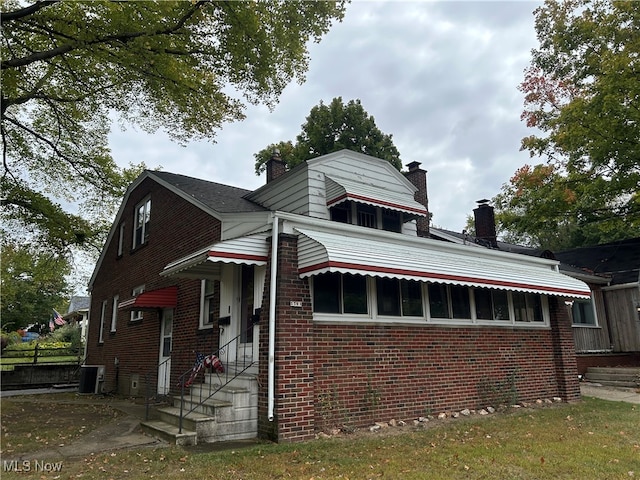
(66, 333)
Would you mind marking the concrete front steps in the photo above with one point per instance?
(627, 377)
(231, 414)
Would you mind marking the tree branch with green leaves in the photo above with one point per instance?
(70, 68)
(582, 94)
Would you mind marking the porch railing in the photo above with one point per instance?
(235, 358)
(151, 379)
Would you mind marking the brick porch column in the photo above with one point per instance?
(294, 390)
(564, 352)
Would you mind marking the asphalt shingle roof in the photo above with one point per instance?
(220, 198)
(620, 260)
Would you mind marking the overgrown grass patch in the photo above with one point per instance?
(594, 439)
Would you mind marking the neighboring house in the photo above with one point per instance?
(78, 314)
(324, 279)
(606, 327)
(610, 336)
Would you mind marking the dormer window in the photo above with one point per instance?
(368, 216)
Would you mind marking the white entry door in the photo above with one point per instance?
(164, 362)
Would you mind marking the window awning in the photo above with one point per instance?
(249, 250)
(430, 261)
(160, 298)
(340, 190)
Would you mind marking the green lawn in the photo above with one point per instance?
(29, 360)
(594, 439)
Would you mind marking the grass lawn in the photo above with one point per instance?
(594, 439)
(38, 422)
(7, 361)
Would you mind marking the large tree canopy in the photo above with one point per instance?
(330, 128)
(582, 93)
(32, 283)
(70, 67)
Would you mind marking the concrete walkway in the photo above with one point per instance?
(617, 394)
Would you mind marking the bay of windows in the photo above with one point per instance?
(374, 298)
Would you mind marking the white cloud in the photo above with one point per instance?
(441, 77)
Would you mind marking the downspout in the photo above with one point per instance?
(272, 318)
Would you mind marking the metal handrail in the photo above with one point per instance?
(148, 377)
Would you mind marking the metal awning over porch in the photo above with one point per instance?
(380, 255)
(340, 190)
(206, 263)
(160, 298)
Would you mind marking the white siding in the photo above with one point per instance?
(303, 189)
(289, 193)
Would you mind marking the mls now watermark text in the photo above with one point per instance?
(30, 466)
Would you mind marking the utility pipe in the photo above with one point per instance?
(272, 318)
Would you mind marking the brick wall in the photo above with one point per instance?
(373, 373)
(176, 228)
(334, 375)
(294, 390)
(330, 375)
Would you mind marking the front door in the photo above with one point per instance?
(164, 363)
(246, 354)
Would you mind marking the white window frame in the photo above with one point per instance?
(114, 313)
(137, 315)
(591, 301)
(204, 304)
(103, 313)
(373, 316)
(145, 206)
(121, 239)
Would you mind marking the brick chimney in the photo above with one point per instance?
(485, 224)
(275, 166)
(418, 178)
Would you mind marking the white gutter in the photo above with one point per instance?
(272, 318)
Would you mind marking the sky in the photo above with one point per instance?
(440, 76)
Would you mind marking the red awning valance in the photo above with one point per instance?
(160, 298)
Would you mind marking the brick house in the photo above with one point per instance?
(606, 327)
(324, 285)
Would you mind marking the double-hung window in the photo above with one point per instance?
(583, 313)
(337, 293)
(103, 314)
(527, 307)
(207, 303)
(114, 313)
(137, 315)
(491, 304)
(141, 223)
(449, 301)
(399, 297)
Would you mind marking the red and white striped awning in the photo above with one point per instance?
(249, 250)
(340, 190)
(426, 260)
(159, 298)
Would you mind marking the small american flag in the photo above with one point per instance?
(199, 361)
(57, 318)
